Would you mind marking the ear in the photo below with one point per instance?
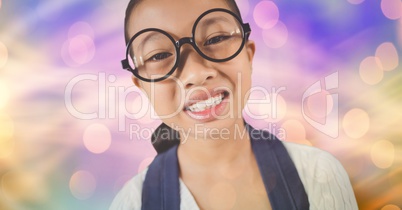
(136, 81)
(250, 47)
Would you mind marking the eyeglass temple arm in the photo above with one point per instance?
(247, 30)
(125, 64)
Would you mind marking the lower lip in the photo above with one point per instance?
(209, 114)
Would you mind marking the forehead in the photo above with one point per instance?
(173, 16)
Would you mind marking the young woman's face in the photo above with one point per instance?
(196, 79)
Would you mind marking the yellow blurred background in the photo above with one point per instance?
(333, 68)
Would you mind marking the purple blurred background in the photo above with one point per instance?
(66, 141)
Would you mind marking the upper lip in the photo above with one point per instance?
(202, 95)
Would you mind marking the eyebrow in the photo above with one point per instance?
(212, 20)
(150, 37)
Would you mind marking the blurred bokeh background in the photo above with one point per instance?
(70, 118)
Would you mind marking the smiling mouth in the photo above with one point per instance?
(208, 103)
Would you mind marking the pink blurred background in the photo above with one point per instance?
(57, 153)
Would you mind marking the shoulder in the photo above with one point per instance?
(323, 176)
(315, 161)
(129, 196)
(297, 151)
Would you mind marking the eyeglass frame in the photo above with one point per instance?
(246, 30)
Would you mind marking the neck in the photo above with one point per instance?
(212, 152)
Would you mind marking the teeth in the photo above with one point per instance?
(203, 105)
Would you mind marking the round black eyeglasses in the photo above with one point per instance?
(218, 35)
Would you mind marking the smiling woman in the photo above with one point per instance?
(193, 59)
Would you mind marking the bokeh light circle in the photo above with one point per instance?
(355, 1)
(266, 14)
(97, 138)
(222, 196)
(81, 49)
(111, 78)
(371, 70)
(295, 132)
(145, 163)
(320, 104)
(82, 185)
(276, 109)
(80, 28)
(3, 54)
(356, 123)
(392, 9)
(388, 56)
(390, 207)
(4, 94)
(276, 36)
(383, 154)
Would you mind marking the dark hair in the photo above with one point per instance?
(133, 3)
(165, 137)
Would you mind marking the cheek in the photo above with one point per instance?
(244, 86)
(242, 78)
(243, 65)
(162, 98)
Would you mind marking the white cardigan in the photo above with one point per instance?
(325, 180)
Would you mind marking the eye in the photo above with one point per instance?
(160, 56)
(216, 40)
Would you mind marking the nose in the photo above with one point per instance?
(194, 69)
